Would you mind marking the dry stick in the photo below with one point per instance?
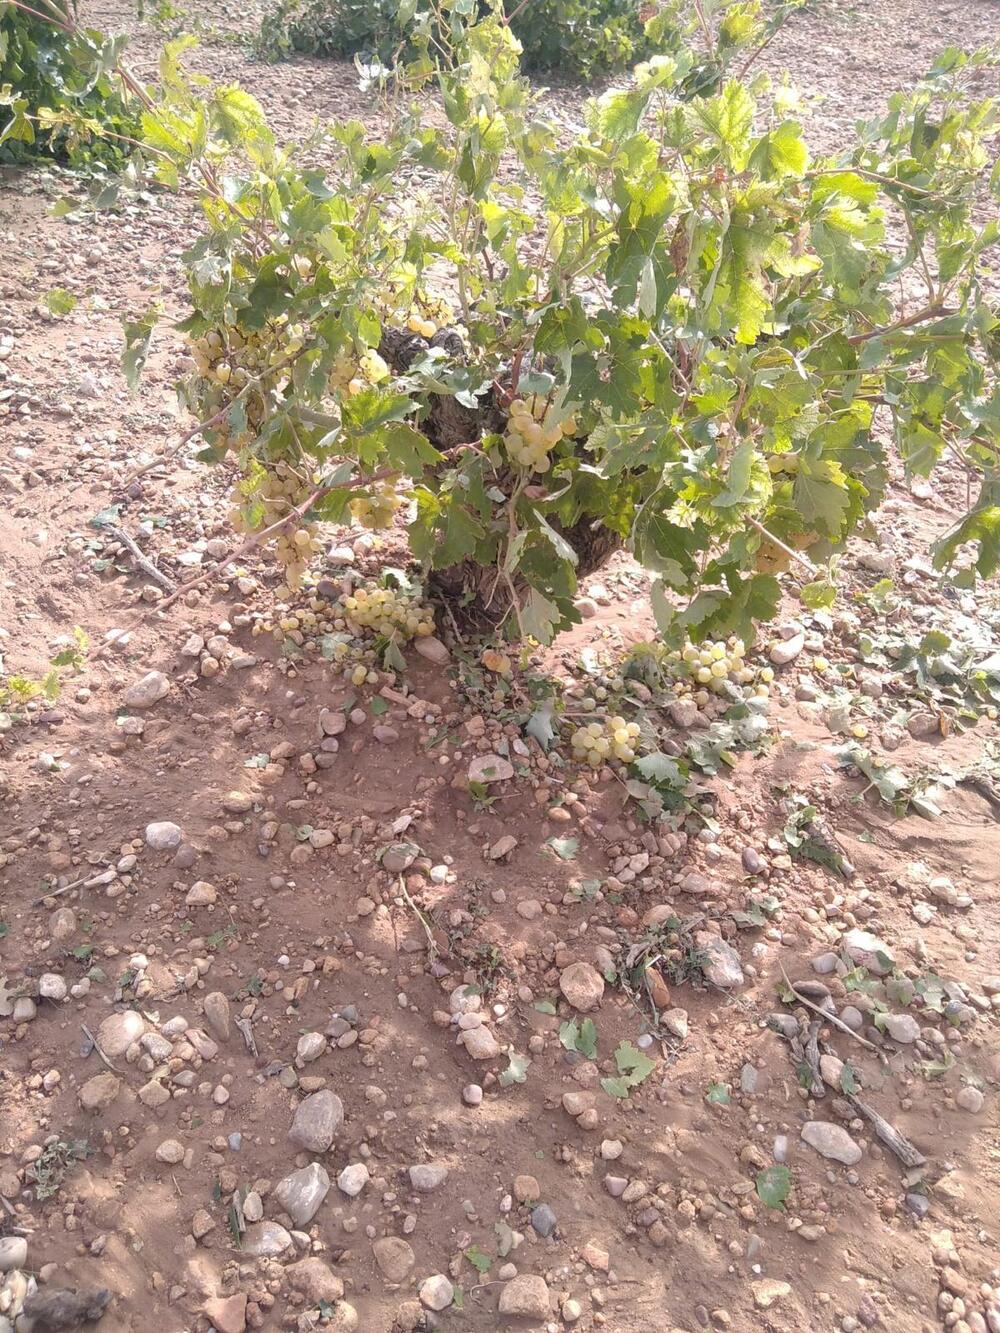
(176, 448)
(142, 562)
(253, 541)
(87, 1032)
(77, 883)
(803, 560)
(432, 949)
(827, 1017)
(889, 1135)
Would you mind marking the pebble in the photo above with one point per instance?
(582, 985)
(490, 768)
(721, 963)
(146, 691)
(526, 1295)
(117, 1032)
(163, 836)
(51, 986)
(543, 1220)
(217, 1014)
(13, 1253)
(902, 1028)
(395, 1258)
(353, 1179)
(428, 1176)
(317, 1119)
(302, 1193)
(266, 1240)
(170, 1151)
(436, 1292)
(768, 1291)
(831, 1141)
(99, 1091)
(201, 894)
(970, 1099)
(472, 1094)
(787, 650)
(868, 951)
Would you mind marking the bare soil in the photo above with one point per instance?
(303, 927)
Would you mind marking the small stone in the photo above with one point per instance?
(146, 691)
(332, 723)
(720, 961)
(787, 650)
(490, 768)
(201, 894)
(99, 1092)
(266, 1240)
(353, 1179)
(217, 1014)
(582, 985)
(768, 1292)
(480, 1043)
(170, 1151)
(902, 1028)
(543, 1220)
(153, 1094)
(683, 712)
(675, 1021)
(427, 1176)
(526, 1189)
(117, 1032)
(302, 1193)
(228, 1313)
(163, 836)
(436, 1292)
(202, 1223)
(51, 986)
(970, 1099)
(394, 1257)
(315, 1280)
(431, 649)
(310, 1047)
(472, 1094)
(13, 1253)
(869, 952)
(399, 856)
(526, 1295)
(316, 1121)
(594, 1256)
(237, 802)
(62, 924)
(752, 861)
(831, 1141)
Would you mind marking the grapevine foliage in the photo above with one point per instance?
(673, 327)
(573, 39)
(59, 95)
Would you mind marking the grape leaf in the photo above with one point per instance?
(774, 1184)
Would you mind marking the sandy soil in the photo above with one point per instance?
(304, 931)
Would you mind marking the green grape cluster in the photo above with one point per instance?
(425, 327)
(534, 430)
(350, 373)
(377, 509)
(597, 742)
(717, 667)
(278, 493)
(387, 611)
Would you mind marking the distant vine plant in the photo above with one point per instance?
(59, 85)
(670, 328)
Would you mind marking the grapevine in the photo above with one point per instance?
(695, 349)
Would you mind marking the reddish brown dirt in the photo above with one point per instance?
(286, 921)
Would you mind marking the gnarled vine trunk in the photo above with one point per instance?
(448, 425)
